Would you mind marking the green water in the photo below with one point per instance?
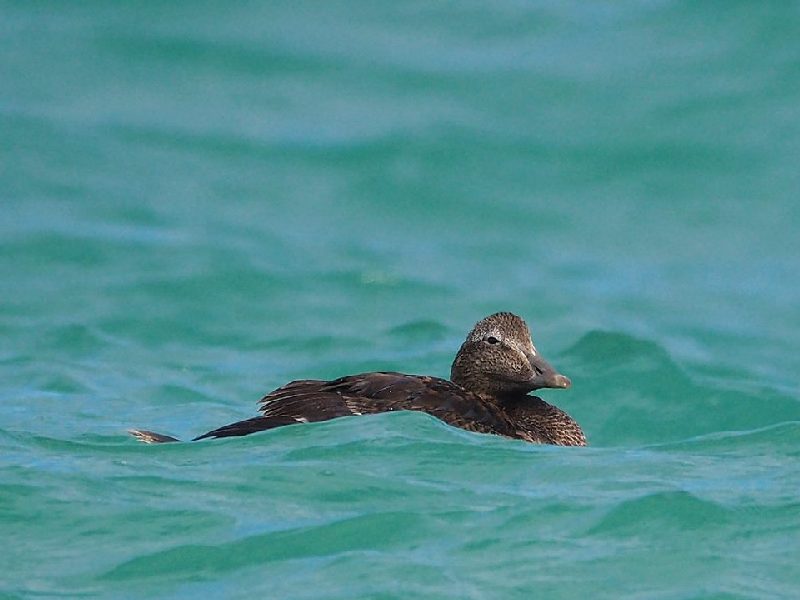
(200, 202)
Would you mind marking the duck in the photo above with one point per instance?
(488, 392)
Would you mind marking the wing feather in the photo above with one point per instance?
(312, 400)
(367, 393)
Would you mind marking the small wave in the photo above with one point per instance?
(662, 511)
(775, 439)
(630, 391)
(372, 532)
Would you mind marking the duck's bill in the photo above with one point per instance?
(545, 375)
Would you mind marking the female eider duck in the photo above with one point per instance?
(495, 368)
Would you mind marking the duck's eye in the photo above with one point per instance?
(492, 340)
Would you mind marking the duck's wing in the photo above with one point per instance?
(369, 393)
(248, 426)
(313, 400)
(288, 409)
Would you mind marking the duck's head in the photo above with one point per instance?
(498, 358)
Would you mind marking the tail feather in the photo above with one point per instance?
(151, 437)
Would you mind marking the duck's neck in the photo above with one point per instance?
(515, 398)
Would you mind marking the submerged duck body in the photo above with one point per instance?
(495, 368)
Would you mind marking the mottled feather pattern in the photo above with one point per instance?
(546, 423)
(494, 369)
(370, 393)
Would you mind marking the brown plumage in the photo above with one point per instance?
(495, 368)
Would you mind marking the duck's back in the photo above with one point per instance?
(314, 400)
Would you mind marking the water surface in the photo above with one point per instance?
(201, 202)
